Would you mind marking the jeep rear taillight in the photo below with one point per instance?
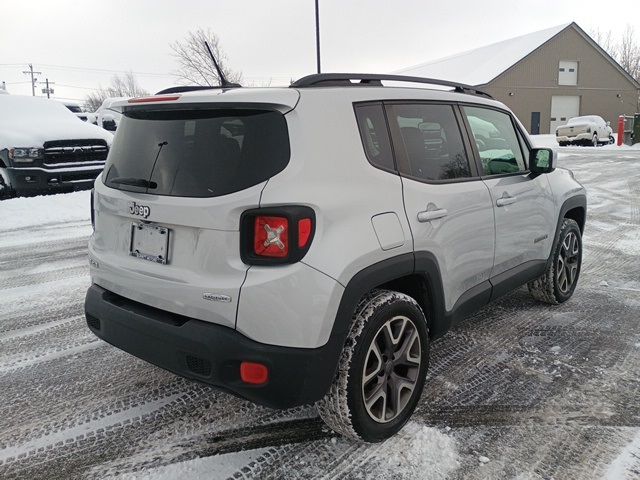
(276, 235)
(271, 236)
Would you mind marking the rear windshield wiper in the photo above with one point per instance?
(134, 182)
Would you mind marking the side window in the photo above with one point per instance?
(431, 140)
(496, 140)
(375, 136)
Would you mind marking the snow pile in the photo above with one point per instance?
(31, 121)
(42, 210)
(417, 450)
(208, 468)
(627, 463)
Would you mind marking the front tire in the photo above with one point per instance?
(559, 281)
(382, 369)
(5, 188)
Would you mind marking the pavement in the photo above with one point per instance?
(521, 390)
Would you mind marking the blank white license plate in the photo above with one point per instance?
(150, 242)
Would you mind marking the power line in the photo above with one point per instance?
(86, 69)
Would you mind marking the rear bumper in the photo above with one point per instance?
(210, 353)
(38, 179)
(581, 137)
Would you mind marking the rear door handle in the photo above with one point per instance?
(428, 215)
(501, 202)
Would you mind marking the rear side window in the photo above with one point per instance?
(496, 139)
(431, 141)
(375, 136)
(196, 153)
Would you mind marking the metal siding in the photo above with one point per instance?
(534, 80)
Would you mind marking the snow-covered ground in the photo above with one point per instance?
(519, 391)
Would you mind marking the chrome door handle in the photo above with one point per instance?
(501, 202)
(428, 215)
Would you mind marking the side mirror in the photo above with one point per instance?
(542, 160)
(608, 123)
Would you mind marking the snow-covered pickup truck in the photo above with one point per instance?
(587, 130)
(44, 147)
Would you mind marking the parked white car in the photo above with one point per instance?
(107, 116)
(76, 109)
(228, 247)
(587, 130)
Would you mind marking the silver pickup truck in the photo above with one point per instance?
(587, 130)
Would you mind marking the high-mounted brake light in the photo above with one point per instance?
(271, 236)
(154, 99)
(276, 235)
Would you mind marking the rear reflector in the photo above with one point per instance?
(304, 232)
(154, 99)
(271, 236)
(254, 373)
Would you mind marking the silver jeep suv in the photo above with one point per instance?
(306, 244)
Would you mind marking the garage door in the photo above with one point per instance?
(563, 107)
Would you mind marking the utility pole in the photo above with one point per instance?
(33, 79)
(317, 37)
(48, 90)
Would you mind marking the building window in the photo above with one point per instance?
(568, 73)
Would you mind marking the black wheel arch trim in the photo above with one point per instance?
(571, 203)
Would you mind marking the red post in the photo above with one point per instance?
(620, 129)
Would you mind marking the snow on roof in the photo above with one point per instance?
(481, 65)
(28, 121)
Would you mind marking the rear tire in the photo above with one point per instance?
(559, 281)
(5, 188)
(382, 369)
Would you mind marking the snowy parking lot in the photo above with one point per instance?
(520, 390)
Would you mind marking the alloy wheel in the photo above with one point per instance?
(568, 262)
(391, 369)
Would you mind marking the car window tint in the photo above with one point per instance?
(197, 152)
(375, 136)
(431, 141)
(496, 140)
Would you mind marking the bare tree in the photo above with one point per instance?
(605, 40)
(626, 50)
(121, 86)
(629, 52)
(196, 67)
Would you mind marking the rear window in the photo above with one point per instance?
(196, 152)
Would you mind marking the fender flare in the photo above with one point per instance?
(577, 201)
(423, 264)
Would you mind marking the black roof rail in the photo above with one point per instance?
(191, 88)
(372, 79)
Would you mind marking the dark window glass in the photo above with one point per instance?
(375, 136)
(496, 140)
(572, 69)
(196, 153)
(562, 69)
(432, 142)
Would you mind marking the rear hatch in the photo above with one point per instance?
(168, 204)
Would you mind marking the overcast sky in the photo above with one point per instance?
(81, 44)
